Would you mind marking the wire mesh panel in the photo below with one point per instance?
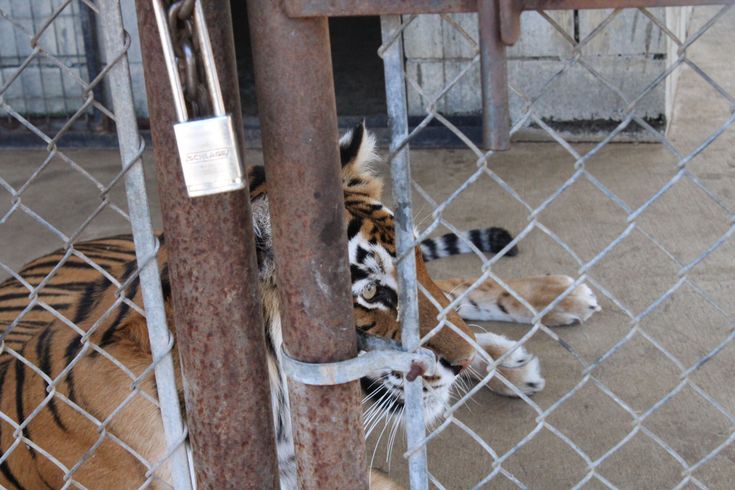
(45, 88)
(636, 396)
(59, 313)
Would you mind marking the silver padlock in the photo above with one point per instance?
(208, 149)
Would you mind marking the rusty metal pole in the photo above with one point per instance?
(214, 279)
(295, 88)
(494, 78)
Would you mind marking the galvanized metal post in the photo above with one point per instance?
(131, 148)
(92, 57)
(214, 280)
(395, 90)
(494, 78)
(295, 88)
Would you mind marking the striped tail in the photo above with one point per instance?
(489, 240)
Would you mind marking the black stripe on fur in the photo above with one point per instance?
(43, 352)
(488, 240)
(348, 149)
(20, 379)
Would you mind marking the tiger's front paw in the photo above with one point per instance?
(526, 378)
(577, 306)
(519, 367)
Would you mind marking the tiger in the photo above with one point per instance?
(79, 317)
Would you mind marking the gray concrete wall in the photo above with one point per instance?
(44, 88)
(677, 21)
(629, 53)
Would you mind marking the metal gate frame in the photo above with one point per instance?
(299, 129)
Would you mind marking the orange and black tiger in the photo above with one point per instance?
(75, 342)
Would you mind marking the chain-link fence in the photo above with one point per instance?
(635, 397)
(46, 88)
(638, 396)
(55, 201)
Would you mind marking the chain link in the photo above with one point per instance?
(505, 465)
(180, 15)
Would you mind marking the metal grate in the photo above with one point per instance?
(633, 227)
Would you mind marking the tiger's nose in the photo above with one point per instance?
(457, 367)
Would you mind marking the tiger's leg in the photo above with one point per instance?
(490, 302)
(67, 425)
(520, 368)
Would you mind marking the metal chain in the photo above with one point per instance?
(180, 15)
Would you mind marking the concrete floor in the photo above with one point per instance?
(685, 221)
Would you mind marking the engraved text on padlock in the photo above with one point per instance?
(209, 157)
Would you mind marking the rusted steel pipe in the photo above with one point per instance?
(214, 277)
(510, 21)
(336, 8)
(295, 88)
(493, 78)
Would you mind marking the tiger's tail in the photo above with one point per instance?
(488, 240)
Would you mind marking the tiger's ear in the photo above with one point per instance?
(357, 152)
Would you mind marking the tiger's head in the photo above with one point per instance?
(372, 254)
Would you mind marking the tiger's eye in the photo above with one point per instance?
(369, 292)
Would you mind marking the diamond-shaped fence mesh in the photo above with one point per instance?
(640, 396)
(53, 55)
(52, 394)
(635, 396)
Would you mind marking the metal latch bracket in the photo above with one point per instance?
(377, 354)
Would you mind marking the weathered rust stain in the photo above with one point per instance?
(299, 129)
(210, 244)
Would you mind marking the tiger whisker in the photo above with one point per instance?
(377, 409)
(392, 438)
(376, 381)
(383, 415)
(380, 436)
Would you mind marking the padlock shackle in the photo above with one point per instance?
(215, 91)
(168, 54)
(200, 28)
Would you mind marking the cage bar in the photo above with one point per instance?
(213, 271)
(296, 102)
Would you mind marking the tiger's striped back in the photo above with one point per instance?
(65, 277)
(43, 316)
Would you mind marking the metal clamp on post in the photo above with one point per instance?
(378, 354)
